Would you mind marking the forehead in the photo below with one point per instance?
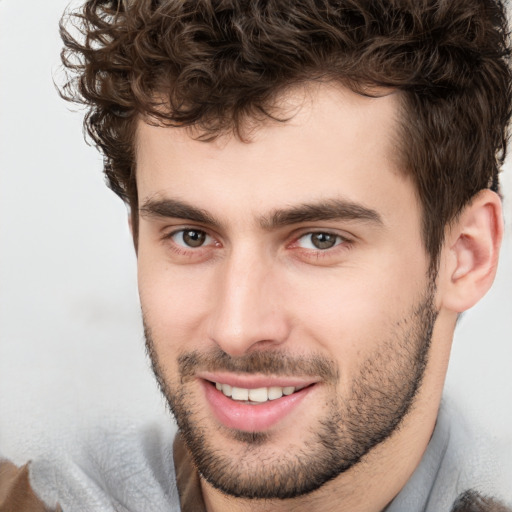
(334, 143)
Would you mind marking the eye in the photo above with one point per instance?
(190, 238)
(319, 241)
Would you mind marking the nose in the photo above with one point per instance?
(249, 311)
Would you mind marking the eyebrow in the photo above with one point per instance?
(173, 208)
(332, 209)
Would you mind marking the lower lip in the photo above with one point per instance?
(251, 418)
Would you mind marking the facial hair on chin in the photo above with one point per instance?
(378, 400)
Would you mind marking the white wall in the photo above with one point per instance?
(71, 345)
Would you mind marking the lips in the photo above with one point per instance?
(246, 404)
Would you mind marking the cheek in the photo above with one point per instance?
(174, 303)
(355, 312)
(345, 313)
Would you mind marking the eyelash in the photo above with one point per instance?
(181, 249)
(338, 240)
(343, 243)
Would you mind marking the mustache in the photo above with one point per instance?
(261, 362)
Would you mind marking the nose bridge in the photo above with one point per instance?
(247, 310)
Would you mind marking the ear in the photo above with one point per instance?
(471, 252)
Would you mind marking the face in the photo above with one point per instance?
(284, 290)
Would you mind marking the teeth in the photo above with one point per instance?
(226, 389)
(258, 395)
(240, 394)
(274, 392)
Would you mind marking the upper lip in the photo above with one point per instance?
(256, 381)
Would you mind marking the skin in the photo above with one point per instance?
(257, 286)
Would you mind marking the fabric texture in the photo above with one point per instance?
(139, 470)
(16, 493)
(458, 458)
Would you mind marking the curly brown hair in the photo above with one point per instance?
(214, 64)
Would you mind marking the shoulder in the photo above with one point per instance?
(461, 462)
(16, 493)
(477, 460)
(114, 469)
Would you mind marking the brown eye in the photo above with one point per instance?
(190, 238)
(319, 240)
(323, 240)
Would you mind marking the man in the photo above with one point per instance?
(314, 201)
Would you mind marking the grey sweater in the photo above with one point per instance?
(133, 470)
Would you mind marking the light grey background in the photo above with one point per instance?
(71, 345)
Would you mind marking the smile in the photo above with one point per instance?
(258, 395)
(246, 404)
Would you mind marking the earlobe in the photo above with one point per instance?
(472, 247)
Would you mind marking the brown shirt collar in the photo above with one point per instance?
(187, 478)
(16, 494)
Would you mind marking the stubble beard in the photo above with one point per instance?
(375, 406)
